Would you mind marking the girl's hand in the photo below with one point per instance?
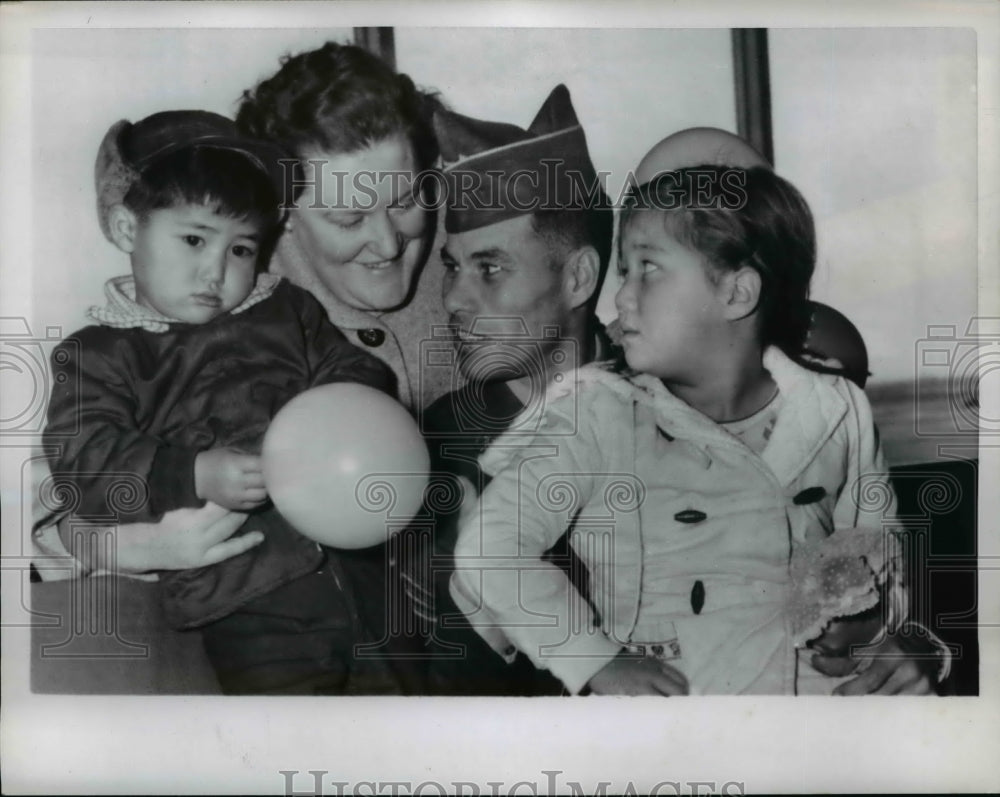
(841, 635)
(627, 674)
(898, 667)
(230, 478)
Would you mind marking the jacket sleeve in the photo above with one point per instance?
(333, 358)
(509, 593)
(92, 440)
(870, 501)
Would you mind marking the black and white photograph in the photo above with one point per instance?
(407, 398)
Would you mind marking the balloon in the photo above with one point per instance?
(697, 146)
(345, 465)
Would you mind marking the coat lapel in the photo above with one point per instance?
(806, 421)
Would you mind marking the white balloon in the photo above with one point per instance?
(345, 464)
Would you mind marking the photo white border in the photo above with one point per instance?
(201, 744)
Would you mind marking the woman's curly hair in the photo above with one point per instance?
(339, 99)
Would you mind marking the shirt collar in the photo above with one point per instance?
(122, 311)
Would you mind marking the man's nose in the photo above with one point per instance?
(459, 296)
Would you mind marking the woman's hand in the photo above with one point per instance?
(627, 674)
(230, 478)
(182, 539)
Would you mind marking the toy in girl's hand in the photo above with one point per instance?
(836, 577)
(341, 460)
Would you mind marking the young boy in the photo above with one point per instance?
(178, 379)
(688, 480)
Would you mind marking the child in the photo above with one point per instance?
(189, 360)
(688, 481)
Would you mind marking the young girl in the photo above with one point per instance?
(689, 480)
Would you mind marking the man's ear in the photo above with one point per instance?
(741, 292)
(123, 225)
(580, 275)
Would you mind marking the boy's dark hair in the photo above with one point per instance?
(737, 217)
(567, 229)
(340, 99)
(221, 179)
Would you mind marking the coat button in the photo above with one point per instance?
(690, 516)
(697, 596)
(371, 337)
(810, 495)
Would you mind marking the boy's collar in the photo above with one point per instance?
(122, 311)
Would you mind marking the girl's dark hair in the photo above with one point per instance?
(737, 217)
(225, 181)
(339, 98)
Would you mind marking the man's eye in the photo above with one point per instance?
(450, 265)
(244, 251)
(193, 240)
(489, 269)
(647, 267)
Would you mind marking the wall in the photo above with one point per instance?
(877, 127)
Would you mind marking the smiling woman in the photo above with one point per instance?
(363, 234)
(356, 237)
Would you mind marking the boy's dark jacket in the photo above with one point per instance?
(131, 409)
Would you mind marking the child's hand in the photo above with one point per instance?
(230, 478)
(841, 635)
(899, 665)
(627, 674)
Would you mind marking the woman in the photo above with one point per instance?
(356, 236)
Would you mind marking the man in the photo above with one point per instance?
(529, 236)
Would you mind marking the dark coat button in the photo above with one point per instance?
(371, 337)
(697, 596)
(690, 516)
(810, 495)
